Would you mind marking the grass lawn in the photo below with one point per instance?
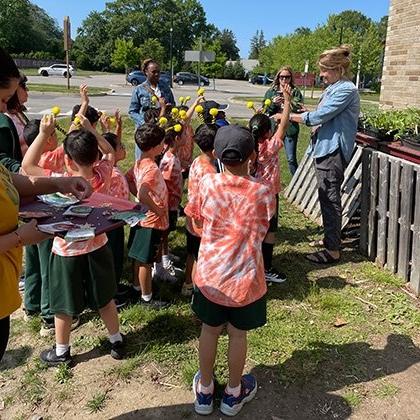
(333, 336)
(41, 87)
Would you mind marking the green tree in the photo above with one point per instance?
(258, 43)
(125, 54)
(152, 48)
(215, 69)
(238, 71)
(229, 72)
(228, 44)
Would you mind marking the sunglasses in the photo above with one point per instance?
(285, 77)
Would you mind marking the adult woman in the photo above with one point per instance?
(12, 186)
(15, 108)
(143, 95)
(284, 77)
(334, 126)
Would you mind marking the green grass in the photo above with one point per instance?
(74, 90)
(63, 373)
(386, 389)
(97, 402)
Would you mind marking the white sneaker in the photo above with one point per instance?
(165, 275)
(274, 276)
(174, 258)
(169, 267)
(22, 284)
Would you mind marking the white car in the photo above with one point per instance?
(56, 70)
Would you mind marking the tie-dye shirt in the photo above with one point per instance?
(185, 147)
(235, 213)
(52, 161)
(170, 166)
(201, 166)
(146, 172)
(268, 170)
(119, 185)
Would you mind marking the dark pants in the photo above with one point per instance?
(4, 334)
(330, 175)
(290, 145)
(37, 295)
(116, 243)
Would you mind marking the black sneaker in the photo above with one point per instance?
(50, 357)
(154, 304)
(274, 276)
(118, 349)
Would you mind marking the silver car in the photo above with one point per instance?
(56, 70)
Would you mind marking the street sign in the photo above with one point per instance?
(200, 56)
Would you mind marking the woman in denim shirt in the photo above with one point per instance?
(141, 99)
(334, 127)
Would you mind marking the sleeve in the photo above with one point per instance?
(103, 173)
(331, 106)
(170, 97)
(167, 167)
(134, 109)
(7, 139)
(193, 208)
(297, 97)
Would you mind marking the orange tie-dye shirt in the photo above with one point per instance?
(235, 213)
(100, 183)
(146, 172)
(185, 146)
(268, 170)
(201, 166)
(119, 185)
(170, 166)
(52, 161)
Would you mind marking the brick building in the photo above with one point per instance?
(401, 73)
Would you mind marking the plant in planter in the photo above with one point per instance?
(380, 124)
(410, 133)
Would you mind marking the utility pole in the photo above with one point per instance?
(67, 46)
(171, 30)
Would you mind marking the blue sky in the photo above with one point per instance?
(243, 17)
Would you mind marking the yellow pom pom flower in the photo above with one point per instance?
(112, 120)
(201, 91)
(250, 105)
(76, 121)
(154, 99)
(177, 128)
(182, 114)
(267, 102)
(55, 110)
(213, 112)
(174, 111)
(163, 121)
(199, 109)
(181, 100)
(187, 98)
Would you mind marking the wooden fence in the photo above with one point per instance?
(390, 214)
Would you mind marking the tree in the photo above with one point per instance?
(215, 69)
(229, 72)
(258, 43)
(228, 44)
(238, 71)
(125, 54)
(152, 48)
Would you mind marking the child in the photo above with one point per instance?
(145, 239)
(220, 118)
(202, 165)
(80, 273)
(267, 170)
(234, 210)
(170, 166)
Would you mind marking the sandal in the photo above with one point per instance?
(322, 257)
(316, 244)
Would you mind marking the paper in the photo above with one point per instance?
(34, 214)
(80, 234)
(78, 211)
(131, 218)
(54, 228)
(58, 200)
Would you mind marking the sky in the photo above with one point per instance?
(243, 17)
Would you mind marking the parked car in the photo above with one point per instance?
(137, 77)
(260, 79)
(190, 78)
(56, 70)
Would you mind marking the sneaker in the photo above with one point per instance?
(274, 276)
(187, 289)
(22, 284)
(154, 304)
(28, 315)
(164, 275)
(51, 359)
(174, 258)
(203, 403)
(118, 349)
(230, 405)
(170, 268)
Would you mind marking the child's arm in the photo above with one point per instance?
(145, 198)
(284, 122)
(162, 102)
(191, 109)
(30, 163)
(118, 126)
(105, 148)
(84, 103)
(129, 176)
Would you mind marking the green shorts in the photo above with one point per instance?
(144, 244)
(82, 281)
(244, 318)
(274, 221)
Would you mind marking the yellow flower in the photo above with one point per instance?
(76, 121)
(267, 102)
(213, 112)
(163, 121)
(181, 100)
(199, 109)
(55, 110)
(187, 98)
(174, 111)
(201, 91)
(112, 120)
(182, 114)
(154, 99)
(177, 128)
(250, 105)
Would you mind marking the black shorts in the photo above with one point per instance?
(193, 244)
(274, 221)
(144, 244)
(243, 318)
(173, 219)
(185, 173)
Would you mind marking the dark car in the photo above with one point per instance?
(260, 79)
(186, 78)
(137, 77)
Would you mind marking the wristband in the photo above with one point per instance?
(19, 238)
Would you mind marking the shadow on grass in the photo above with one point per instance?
(304, 386)
(15, 357)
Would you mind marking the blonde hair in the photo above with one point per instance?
(276, 81)
(338, 58)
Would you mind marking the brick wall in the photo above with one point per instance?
(401, 73)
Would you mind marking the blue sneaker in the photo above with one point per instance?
(203, 403)
(230, 405)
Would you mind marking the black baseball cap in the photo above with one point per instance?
(213, 104)
(233, 144)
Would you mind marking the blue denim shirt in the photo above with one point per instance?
(337, 115)
(141, 100)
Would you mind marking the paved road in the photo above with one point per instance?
(225, 90)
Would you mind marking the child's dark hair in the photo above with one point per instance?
(13, 103)
(204, 136)
(112, 139)
(8, 69)
(259, 125)
(91, 113)
(170, 137)
(151, 115)
(31, 130)
(148, 136)
(82, 147)
(183, 107)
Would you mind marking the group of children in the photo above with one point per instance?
(231, 216)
